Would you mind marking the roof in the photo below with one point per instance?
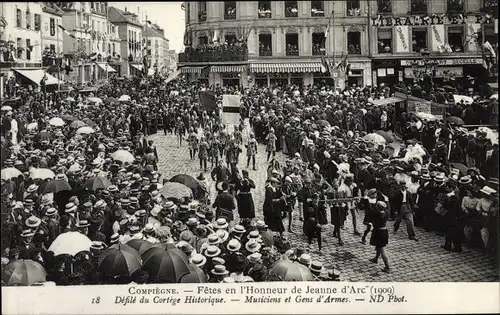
(152, 32)
(116, 15)
(52, 8)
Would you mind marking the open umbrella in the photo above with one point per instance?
(57, 185)
(287, 270)
(6, 108)
(85, 130)
(176, 191)
(97, 182)
(119, 260)
(165, 266)
(139, 245)
(23, 273)
(124, 98)
(10, 172)
(42, 173)
(389, 138)
(426, 116)
(56, 121)
(68, 118)
(190, 182)
(70, 243)
(196, 275)
(459, 166)
(465, 98)
(494, 96)
(96, 100)
(77, 124)
(322, 123)
(32, 126)
(123, 156)
(375, 138)
(70, 99)
(455, 120)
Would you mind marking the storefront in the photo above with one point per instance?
(226, 75)
(286, 73)
(386, 71)
(360, 74)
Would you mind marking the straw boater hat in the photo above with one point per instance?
(212, 251)
(316, 267)
(198, 260)
(254, 257)
(33, 222)
(488, 191)
(27, 233)
(305, 259)
(233, 245)
(213, 239)
(425, 176)
(192, 222)
(464, 180)
(149, 228)
(238, 229)
(70, 207)
(254, 235)
(228, 280)
(219, 270)
(50, 212)
(97, 245)
(252, 246)
(82, 224)
(439, 177)
(32, 188)
(221, 223)
(114, 238)
(223, 235)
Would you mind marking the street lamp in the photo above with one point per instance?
(425, 68)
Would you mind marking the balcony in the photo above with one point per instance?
(230, 15)
(263, 52)
(319, 51)
(317, 12)
(265, 14)
(291, 12)
(214, 56)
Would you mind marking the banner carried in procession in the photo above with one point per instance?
(231, 109)
(207, 100)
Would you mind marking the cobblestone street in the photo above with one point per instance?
(410, 261)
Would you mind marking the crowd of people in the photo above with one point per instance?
(100, 190)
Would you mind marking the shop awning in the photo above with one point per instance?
(386, 101)
(106, 67)
(285, 67)
(138, 67)
(36, 76)
(227, 68)
(191, 69)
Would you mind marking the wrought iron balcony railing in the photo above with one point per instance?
(214, 56)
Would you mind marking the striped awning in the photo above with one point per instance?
(227, 68)
(285, 67)
(191, 69)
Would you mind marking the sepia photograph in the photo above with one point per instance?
(147, 144)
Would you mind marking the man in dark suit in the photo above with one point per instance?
(220, 174)
(403, 205)
(224, 203)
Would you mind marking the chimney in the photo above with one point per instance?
(138, 12)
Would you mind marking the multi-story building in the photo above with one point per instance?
(283, 41)
(21, 43)
(85, 39)
(113, 42)
(154, 41)
(52, 39)
(171, 62)
(450, 33)
(130, 33)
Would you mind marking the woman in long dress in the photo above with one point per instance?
(246, 207)
(273, 204)
(271, 144)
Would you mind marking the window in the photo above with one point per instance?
(265, 45)
(418, 7)
(455, 6)
(384, 40)
(93, 25)
(19, 48)
(291, 9)
(114, 49)
(52, 27)
(264, 9)
(229, 10)
(28, 19)
(149, 52)
(354, 43)
(353, 8)
(38, 22)
(384, 6)
(418, 39)
(28, 49)
(202, 13)
(317, 8)
(456, 38)
(19, 18)
(292, 44)
(149, 42)
(318, 44)
(229, 39)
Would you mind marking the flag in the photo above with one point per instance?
(216, 36)
(66, 32)
(208, 100)
(93, 57)
(324, 65)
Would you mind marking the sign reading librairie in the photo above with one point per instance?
(446, 62)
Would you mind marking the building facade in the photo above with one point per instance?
(130, 33)
(154, 42)
(52, 42)
(285, 40)
(451, 32)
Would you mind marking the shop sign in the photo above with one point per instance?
(446, 62)
(386, 63)
(428, 20)
(440, 72)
